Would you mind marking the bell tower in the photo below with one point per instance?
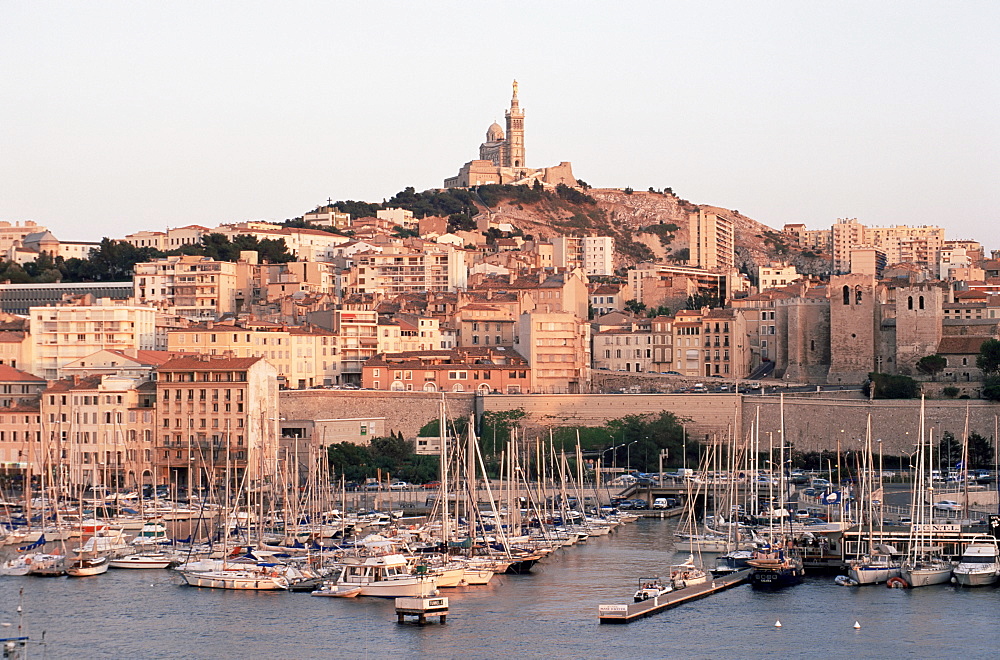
(514, 153)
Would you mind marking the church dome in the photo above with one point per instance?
(494, 133)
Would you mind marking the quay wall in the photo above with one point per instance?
(404, 412)
(813, 422)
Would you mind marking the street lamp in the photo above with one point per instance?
(628, 455)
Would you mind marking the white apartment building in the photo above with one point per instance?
(400, 269)
(402, 217)
(557, 346)
(60, 335)
(712, 241)
(191, 286)
(593, 254)
(775, 275)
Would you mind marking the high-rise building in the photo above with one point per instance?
(712, 241)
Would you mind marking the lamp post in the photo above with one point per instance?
(628, 455)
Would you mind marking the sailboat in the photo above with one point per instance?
(878, 565)
(924, 565)
(779, 566)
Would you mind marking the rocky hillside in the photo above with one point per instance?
(651, 225)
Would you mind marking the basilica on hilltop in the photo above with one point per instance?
(501, 158)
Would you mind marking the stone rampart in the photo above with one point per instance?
(404, 412)
(813, 422)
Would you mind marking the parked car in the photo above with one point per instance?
(660, 503)
(399, 485)
(639, 504)
(947, 505)
(430, 485)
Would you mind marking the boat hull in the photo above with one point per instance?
(976, 578)
(776, 578)
(872, 574)
(138, 561)
(238, 581)
(87, 567)
(925, 577)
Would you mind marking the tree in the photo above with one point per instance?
(635, 306)
(891, 387)
(989, 357)
(950, 391)
(991, 388)
(980, 452)
(932, 364)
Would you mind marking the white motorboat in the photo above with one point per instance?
(47, 565)
(334, 590)
(651, 588)
(87, 566)
(243, 580)
(150, 560)
(17, 565)
(387, 576)
(979, 565)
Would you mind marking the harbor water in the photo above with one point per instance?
(551, 613)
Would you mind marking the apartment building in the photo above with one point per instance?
(303, 356)
(485, 370)
(398, 269)
(217, 421)
(557, 346)
(712, 241)
(190, 286)
(60, 335)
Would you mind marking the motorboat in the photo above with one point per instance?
(651, 588)
(47, 565)
(334, 590)
(979, 565)
(87, 566)
(387, 576)
(17, 565)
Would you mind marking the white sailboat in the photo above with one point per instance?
(924, 565)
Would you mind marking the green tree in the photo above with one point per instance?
(989, 356)
(932, 365)
(991, 388)
(891, 387)
(635, 306)
(950, 391)
(980, 452)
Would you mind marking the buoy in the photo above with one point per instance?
(857, 626)
(777, 624)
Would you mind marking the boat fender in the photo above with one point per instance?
(897, 583)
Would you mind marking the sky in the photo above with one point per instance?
(122, 116)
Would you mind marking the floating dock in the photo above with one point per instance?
(421, 608)
(632, 611)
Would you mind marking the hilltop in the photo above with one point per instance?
(647, 225)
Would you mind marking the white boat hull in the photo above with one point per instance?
(140, 561)
(87, 568)
(412, 586)
(925, 577)
(236, 580)
(872, 574)
(977, 578)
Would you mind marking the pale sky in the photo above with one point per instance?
(122, 116)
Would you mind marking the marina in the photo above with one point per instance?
(547, 613)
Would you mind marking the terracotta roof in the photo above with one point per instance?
(961, 345)
(153, 358)
(9, 374)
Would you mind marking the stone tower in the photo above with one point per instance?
(854, 322)
(514, 153)
(919, 321)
